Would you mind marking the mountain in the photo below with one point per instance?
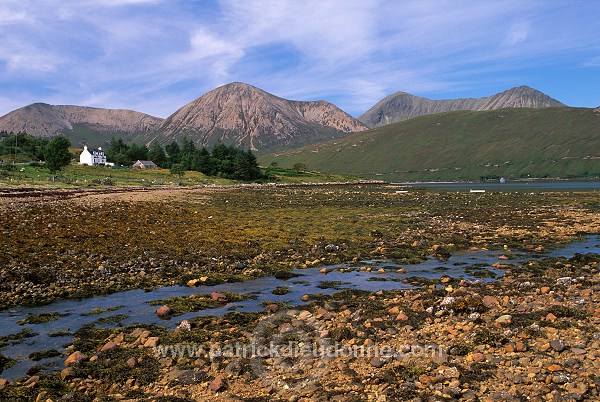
(248, 117)
(80, 124)
(403, 106)
(517, 142)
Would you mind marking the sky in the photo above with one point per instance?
(155, 56)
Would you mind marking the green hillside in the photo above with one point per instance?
(552, 142)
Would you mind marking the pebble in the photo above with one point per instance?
(557, 345)
(504, 319)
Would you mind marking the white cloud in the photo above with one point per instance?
(157, 55)
(120, 3)
(9, 16)
(517, 33)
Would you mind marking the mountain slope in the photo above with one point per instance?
(403, 106)
(464, 145)
(78, 123)
(248, 117)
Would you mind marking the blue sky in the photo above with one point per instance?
(154, 56)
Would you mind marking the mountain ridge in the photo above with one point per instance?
(402, 106)
(250, 117)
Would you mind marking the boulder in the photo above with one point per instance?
(164, 312)
(108, 346)
(218, 296)
(217, 384)
(67, 373)
(75, 358)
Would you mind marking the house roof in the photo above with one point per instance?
(145, 163)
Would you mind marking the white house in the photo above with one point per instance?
(96, 157)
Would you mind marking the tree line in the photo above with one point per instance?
(55, 152)
(23, 144)
(223, 160)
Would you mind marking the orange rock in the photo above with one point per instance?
(544, 289)
(401, 317)
(75, 358)
(554, 367)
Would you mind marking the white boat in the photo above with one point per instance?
(477, 191)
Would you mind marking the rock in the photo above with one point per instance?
(41, 396)
(578, 351)
(401, 316)
(271, 308)
(108, 346)
(554, 367)
(572, 362)
(132, 362)
(184, 325)
(557, 345)
(448, 372)
(490, 301)
(67, 373)
(217, 384)
(505, 319)
(190, 377)
(305, 298)
(330, 248)
(192, 283)
(323, 270)
(560, 379)
(164, 312)
(565, 281)
(218, 296)
(151, 342)
(377, 362)
(394, 310)
(3, 383)
(75, 358)
(32, 381)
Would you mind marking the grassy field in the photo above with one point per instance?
(90, 176)
(515, 143)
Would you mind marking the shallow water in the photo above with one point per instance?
(510, 186)
(135, 303)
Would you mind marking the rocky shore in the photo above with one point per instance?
(532, 335)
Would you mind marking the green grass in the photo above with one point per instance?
(79, 175)
(87, 176)
(516, 143)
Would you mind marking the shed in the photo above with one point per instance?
(144, 165)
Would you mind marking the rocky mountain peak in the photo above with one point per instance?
(403, 106)
(248, 117)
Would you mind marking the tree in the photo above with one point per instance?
(117, 152)
(137, 152)
(299, 167)
(57, 154)
(178, 170)
(173, 152)
(156, 154)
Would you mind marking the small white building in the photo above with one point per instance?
(96, 157)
